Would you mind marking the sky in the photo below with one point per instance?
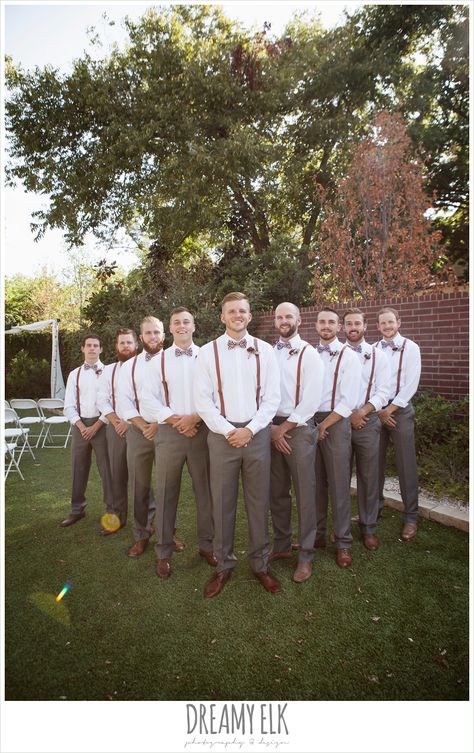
(39, 34)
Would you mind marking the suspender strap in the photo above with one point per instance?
(371, 379)
(334, 384)
(399, 375)
(78, 400)
(163, 379)
(298, 375)
(219, 381)
(257, 358)
(137, 404)
(113, 386)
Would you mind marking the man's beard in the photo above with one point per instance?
(122, 357)
(289, 334)
(152, 349)
(355, 337)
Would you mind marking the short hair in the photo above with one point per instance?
(353, 311)
(91, 336)
(332, 311)
(151, 320)
(181, 310)
(125, 331)
(234, 297)
(387, 310)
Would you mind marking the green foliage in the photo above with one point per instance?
(27, 377)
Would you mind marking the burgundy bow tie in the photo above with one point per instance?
(388, 344)
(149, 356)
(184, 352)
(281, 345)
(322, 348)
(356, 348)
(93, 366)
(231, 344)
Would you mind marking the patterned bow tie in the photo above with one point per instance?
(388, 344)
(281, 345)
(149, 356)
(185, 352)
(356, 348)
(322, 348)
(93, 366)
(231, 344)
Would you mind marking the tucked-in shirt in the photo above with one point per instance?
(104, 397)
(348, 380)
(238, 370)
(381, 378)
(126, 401)
(179, 375)
(311, 380)
(411, 369)
(88, 390)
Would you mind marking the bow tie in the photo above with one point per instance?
(149, 356)
(232, 344)
(93, 366)
(356, 348)
(388, 344)
(322, 348)
(185, 352)
(281, 345)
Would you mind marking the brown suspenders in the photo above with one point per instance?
(334, 384)
(163, 379)
(371, 378)
(219, 379)
(113, 389)
(137, 404)
(78, 401)
(298, 376)
(399, 373)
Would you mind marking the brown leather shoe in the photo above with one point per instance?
(214, 586)
(409, 531)
(320, 544)
(303, 572)
(371, 542)
(179, 546)
(163, 568)
(344, 557)
(106, 532)
(138, 548)
(281, 555)
(295, 547)
(269, 583)
(71, 519)
(208, 556)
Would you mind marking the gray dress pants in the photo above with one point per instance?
(81, 455)
(299, 466)
(117, 449)
(403, 438)
(333, 476)
(140, 457)
(173, 450)
(366, 446)
(226, 465)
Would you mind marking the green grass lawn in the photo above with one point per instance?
(393, 627)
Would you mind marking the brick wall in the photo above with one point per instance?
(437, 321)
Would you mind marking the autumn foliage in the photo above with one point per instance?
(375, 236)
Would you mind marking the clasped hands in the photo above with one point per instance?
(186, 425)
(280, 435)
(387, 418)
(239, 437)
(87, 432)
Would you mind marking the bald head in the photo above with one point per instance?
(287, 320)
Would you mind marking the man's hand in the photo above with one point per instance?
(121, 428)
(149, 431)
(187, 424)
(387, 418)
(239, 437)
(279, 437)
(322, 432)
(358, 419)
(88, 432)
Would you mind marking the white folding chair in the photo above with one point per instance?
(52, 411)
(32, 419)
(17, 432)
(7, 404)
(11, 463)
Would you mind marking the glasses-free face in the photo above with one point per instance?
(354, 328)
(327, 326)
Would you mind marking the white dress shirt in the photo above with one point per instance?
(104, 397)
(411, 369)
(126, 402)
(179, 375)
(348, 380)
(381, 378)
(311, 381)
(239, 385)
(88, 391)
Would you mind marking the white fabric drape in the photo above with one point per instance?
(57, 381)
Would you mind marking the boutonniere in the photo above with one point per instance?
(333, 353)
(293, 352)
(98, 372)
(253, 350)
(398, 348)
(367, 356)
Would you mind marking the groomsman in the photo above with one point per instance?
(366, 427)
(237, 393)
(126, 346)
(141, 434)
(333, 452)
(294, 441)
(398, 417)
(88, 429)
(167, 397)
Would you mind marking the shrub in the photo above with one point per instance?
(27, 377)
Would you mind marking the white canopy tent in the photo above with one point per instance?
(57, 382)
